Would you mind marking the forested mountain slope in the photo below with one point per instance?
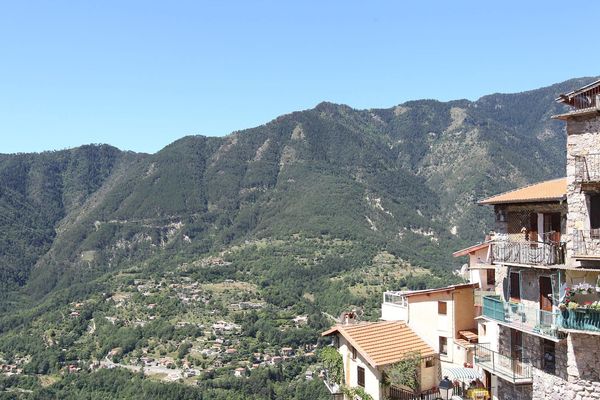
(399, 177)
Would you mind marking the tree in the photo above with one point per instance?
(332, 361)
(406, 372)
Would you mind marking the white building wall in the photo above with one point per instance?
(429, 325)
(372, 375)
(393, 312)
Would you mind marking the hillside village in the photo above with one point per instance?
(526, 326)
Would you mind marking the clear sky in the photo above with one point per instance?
(141, 74)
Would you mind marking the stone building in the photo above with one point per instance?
(539, 332)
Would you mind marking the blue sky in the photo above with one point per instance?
(141, 74)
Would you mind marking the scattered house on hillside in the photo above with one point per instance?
(300, 319)
(368, 350)
(287, 352)
(443, 318)
(239, 372)
(224, 328)
(276, 360)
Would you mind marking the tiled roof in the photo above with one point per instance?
(553, 190)
(382, 343)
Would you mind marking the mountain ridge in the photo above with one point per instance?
(423, 145)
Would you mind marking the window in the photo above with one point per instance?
(353, 351)
(548, 359)
(443, 345)
(515, 286)
(516, 344)
(442, 308)
(429, 363)
(594, 211)
(360, 371)
(483, 330)
(491, 276)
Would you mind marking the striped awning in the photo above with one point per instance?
(465, 375)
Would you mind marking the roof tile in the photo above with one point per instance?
(383, 343)
(553, 190)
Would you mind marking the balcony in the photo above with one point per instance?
(528, 253)
(517, 371)
(586, 244)
(518, 316)
(587, 168)
(581, 319)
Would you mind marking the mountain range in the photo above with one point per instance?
(406, 178)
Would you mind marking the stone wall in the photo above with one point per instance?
(577, 371)
(583, 138)
(576, 375)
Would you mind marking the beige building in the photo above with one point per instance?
(540, 331)
(368, 350)
(443, 318)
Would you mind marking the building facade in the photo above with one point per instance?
(368, 350)
(443, 318)
(540, 329)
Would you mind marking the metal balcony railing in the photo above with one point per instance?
(529, 253)
(512, 369)
(521, 317)
(587, 168)
(581, 319)
(586, 242)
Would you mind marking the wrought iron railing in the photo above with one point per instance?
(513, 369)
(587, 168)
(521, 317)
(529, 253)
(586, 242)
(581, 319)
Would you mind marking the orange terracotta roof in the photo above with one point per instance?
(553, 190)
(382, 343)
